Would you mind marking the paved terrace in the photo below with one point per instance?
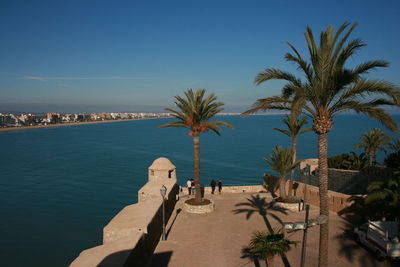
(217, 239)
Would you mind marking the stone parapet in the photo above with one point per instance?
(151, 190)
(235, 189)
(337, 201)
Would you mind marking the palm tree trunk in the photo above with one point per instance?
(294, 147)
(269, 262)
(371, 158)
(323, 198)
(282, 189)
(196, 162)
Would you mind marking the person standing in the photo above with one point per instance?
(213, 184)
(219, 186)
(189, 186)
(193, 187)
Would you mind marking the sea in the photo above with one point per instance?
(60, 186)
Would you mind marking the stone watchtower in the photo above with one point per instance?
(161, 172)
(162, 169)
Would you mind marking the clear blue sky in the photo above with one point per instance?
(137, 55)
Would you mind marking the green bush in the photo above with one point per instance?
(350, 161)
(393, 160)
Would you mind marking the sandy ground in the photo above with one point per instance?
(217, 239)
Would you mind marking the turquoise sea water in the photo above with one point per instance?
(60, 186)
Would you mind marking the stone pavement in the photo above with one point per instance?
(217, 239)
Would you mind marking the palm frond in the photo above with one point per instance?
(276, 74)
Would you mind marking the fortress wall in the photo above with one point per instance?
(130, 238)
(126, 238)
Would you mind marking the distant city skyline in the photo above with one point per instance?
(135, 56)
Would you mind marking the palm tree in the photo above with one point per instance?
(266, 245)
(385, 195)
(194, 113)
(294, 125)
(371, 142)
(329, 88)
(395, 145)
(281, 162)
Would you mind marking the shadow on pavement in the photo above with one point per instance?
(266, 209)
(257, 204)
(115, 259)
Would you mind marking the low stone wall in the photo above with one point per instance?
(310, 193)
(337, 201)
(233, 189)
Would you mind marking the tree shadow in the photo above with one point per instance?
(266, 209)
(257, 204)
(246, 254)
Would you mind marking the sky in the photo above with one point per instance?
(116, 56)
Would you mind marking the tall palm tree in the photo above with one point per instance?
(266, 245)
(194, 112)
(327, 88)
(371, 142)
(294, 126)
(281, 162)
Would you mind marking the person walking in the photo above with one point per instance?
(193, 187)
(219, 186)
(189, 186)
(213, 184)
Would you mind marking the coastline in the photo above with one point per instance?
(9, 129)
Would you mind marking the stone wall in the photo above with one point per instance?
(344, 181)
(337, 201)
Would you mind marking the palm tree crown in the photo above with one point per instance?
(371, 142)
(328, 87)
(294, 126)
(195, 112)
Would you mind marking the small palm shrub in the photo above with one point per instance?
(385, 195)
(265, 246)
